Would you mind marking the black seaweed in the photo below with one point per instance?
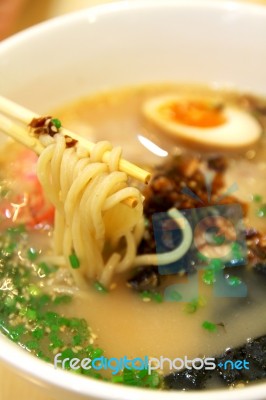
(254, 352)
(146, 278)
(186, 380)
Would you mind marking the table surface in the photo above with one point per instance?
(13, 387)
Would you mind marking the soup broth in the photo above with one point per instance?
(125, 322)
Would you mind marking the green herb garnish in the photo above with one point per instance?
(140, 378)
(209, 326)
(16, 230)
(202, 257)
(261, 213)
(154, 296)
(208, 276)
(216, 264)
(195, 304)
(234, 281)
(56, 122)
(41, 328)
(32, 254)
(33, 290)
(99, 287)
(46, 269)
(236, 251)
(257, 198)
(74, 261)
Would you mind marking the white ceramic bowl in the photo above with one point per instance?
(216, 42)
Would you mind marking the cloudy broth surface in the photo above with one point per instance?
(123, 324)
(136, 328)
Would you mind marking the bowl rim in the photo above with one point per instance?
(39, 372)
(126, 5)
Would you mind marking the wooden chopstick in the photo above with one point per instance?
(19, 133)
(14, 111)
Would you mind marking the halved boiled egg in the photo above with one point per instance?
(202, 122)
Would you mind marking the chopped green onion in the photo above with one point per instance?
(63, 299)
(234, 281)
(99, 287)
(51, 318)
(261, 213)
(216, 239)
(76, 340)
(202, 301)
(31, 314)
(117, 379)
(43, 300)
(216, 264)
(96, 353)
(68, 353)
(3, 191)
(33, 290)
(54, 328)
(209, 326)
(76, 323)
(145, 294)
(208, 276)
(32, 254)
(191, 307)
(46, 269)
(155, 296)
(16, 332)
(74, 261)
(235, 246)
(63, 321)
(202, 257)
(195, 304)
(14, 230)
(38, 333)
(140, 378)
(23, 311)
(56, 122)
(55, 340)
(10, 301)
(32, 344)
(236, 251)
(257, 198)
(10, 249)
(153, 380)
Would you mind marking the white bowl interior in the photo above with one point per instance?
(222, 43)
(132, 42)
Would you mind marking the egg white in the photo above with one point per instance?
(241, 130)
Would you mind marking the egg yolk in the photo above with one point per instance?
(194, 113)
